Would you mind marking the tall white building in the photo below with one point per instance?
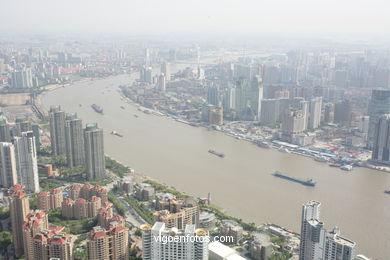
(319, 244)
(315, 113)
(161, 243)
(8, 175)
(165, 68)
(57, 131)
(26, 161)
(94, 152)
(21, 79)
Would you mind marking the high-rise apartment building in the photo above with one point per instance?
(165, 68)
(21, 79)
(19, 207)
(53, 244)
(8, 173)
(177, 213)
(379, 105)
(315, 107)
(319, 244)
(26, 161)
(191, 243)
(48, 200)
(94, 152)
(34, 223)
(57, 131)
(5, 131)
(108, 243)
(381, 142)
(74, 140)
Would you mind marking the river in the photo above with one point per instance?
(176, 154)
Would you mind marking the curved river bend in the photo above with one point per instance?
(176, 154)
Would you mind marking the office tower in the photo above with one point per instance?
(8, 173)
(110, 243)
(26, 161)
(293, 122)
(319, 244)
(94, 152)
(52, 244)
(162, 83)
(315, 107)
(303, 105)
(34, 223)
(340, 78)
(57, 131)
(269, 111)
(21, 79)
(249, 95)
(157, 246)
(229, 98)
(2, 66)
(343, 112)
(19, 208)
(379, 105)
(74, 140)
(165, 69)
(5, 132)
(381, 142)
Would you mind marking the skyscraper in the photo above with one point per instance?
(94, 152)
(74, 139)
(57, 131)
(165, 68)
(26, 161)
(379, 105)
(315, 107)
(21, 79)
(381, 142)
(8, 174)
(162, 82)
(5, 132)
(192, 244)
(19, 207)
(319, 244)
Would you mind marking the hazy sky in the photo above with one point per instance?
(291, 17)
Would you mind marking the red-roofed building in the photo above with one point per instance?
(108, 244)
(36, 221)
(51, 244)
(50, 200)
(19, 208)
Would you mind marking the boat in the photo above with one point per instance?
(320, 159)
(122, 107)
(80, 105)
(217, 153)
(308, 182)
(263, 144)
(116, 133)
(387, 191)
(135, 115)
(283, 150)
(97, 108)
(346, 167)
